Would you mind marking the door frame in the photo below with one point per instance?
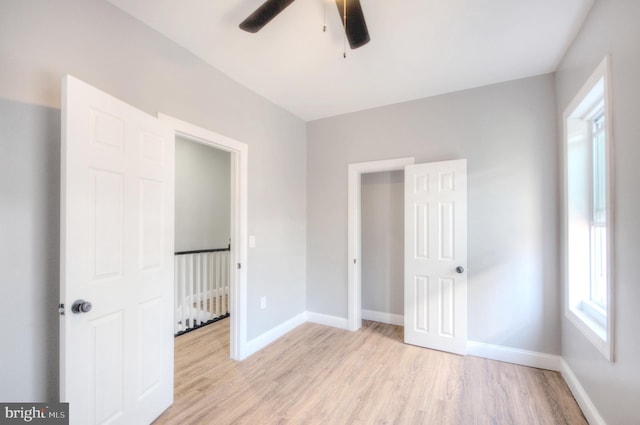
(238, 256)
(354, 230)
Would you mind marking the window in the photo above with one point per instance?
(588, 213)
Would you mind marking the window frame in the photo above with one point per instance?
(595, 322)
(594, 308)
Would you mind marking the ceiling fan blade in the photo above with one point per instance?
(357, 32)
(264, 14)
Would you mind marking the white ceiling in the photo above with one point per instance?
(418, 48)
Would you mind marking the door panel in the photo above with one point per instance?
(421, 303)
(107, 352)
(108, 223)
(435, 244)
(116, 252)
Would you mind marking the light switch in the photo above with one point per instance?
(252, 241)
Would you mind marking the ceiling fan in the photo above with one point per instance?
(350, 11)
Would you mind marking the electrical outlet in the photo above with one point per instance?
(263, 303)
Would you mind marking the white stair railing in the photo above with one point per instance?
(201, 288)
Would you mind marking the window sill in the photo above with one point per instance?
(593, 325)
(596, 315)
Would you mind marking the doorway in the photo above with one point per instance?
(238, 152)
(382, 197)
(202, 235)
(116, 266)
(355, 172)
(435, 254)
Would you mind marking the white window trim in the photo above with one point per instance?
(596, 325)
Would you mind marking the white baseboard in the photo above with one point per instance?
(514, 355)
(324, 319)
(382, 317)
(588, 408)
(261, 341)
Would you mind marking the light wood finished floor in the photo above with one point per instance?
(321, 375)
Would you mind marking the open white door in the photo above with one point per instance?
(117, 206)
(435, 280)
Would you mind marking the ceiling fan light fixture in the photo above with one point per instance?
(264, 14)
(355, 26)
(356, 33)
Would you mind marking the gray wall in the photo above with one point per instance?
(382, 227)
(612, 28)
(96, 42)
(203, 203)
(507, 132)
(29, 250)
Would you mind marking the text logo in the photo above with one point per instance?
(34, 413)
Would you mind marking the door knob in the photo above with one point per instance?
(460, 269)
(81, 306)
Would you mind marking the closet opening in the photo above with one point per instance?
(382, 221)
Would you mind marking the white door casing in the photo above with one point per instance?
(435, 293)
(354, 223)
(117, 215)
(239, 151)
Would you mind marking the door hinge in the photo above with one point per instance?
(61, 309)
(354, 261)
(239, 266)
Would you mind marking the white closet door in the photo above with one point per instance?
(435, 287)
